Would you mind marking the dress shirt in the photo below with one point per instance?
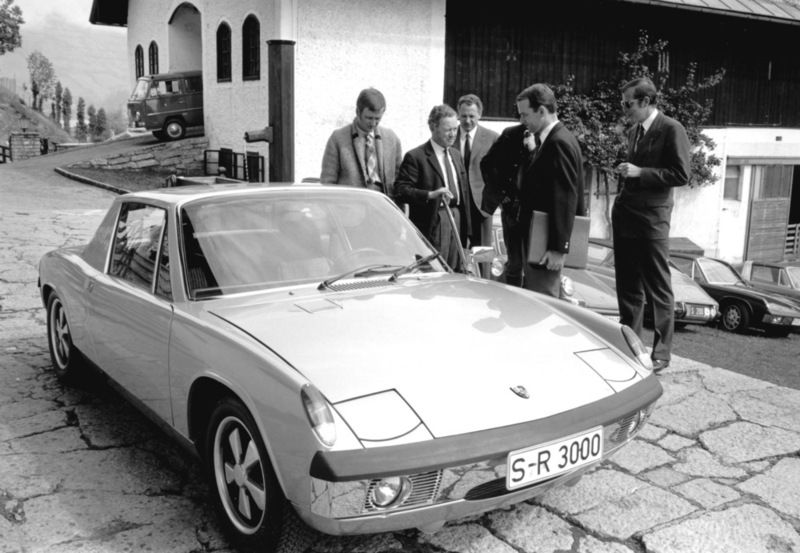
(442, 159)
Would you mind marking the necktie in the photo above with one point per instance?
(538, 139)
(639, 135)
(372, 162)
(467, 151)
(451, 179)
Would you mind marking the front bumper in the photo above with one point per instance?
(460, 475)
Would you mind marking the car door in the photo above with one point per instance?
(131, 307)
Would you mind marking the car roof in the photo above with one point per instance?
(783, 263)
(173, 75)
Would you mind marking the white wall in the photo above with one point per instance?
(344, 47)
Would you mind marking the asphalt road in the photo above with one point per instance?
(754, 354)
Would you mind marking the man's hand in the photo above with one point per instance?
(439, 192)
(553, 260)
(629, 170)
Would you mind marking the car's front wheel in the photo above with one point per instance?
(735, 317)
(66, 358)
(174, 129)
(254, 510)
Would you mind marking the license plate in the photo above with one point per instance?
(796, 322)
(697, 311)
(526, 466)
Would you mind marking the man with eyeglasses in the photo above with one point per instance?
(657, 161)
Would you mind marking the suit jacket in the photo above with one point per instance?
(344, 159)
(500, 168)
(419, 173)
(552, 181)
(644, 205)
(484, 138)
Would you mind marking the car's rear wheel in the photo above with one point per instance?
(735, 317)
(255, 513)
(66, 359)
(174, 129)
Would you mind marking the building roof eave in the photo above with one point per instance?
(109, 12)
(775, 11)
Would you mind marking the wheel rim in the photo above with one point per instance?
(239, 474)
(174, 129)
(733, 317)
(60, 340)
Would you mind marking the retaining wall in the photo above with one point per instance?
(182, 155)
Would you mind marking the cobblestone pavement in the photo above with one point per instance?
(717, 469)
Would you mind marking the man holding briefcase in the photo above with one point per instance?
(549, 180)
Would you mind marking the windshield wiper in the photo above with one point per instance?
(411, 266)
(357, 272)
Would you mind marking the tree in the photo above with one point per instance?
(42, 78)
(80, 124)
(66, 108)
(598, 124)
(10, 20)
(102, 124)
(91, 122)
(59, 94)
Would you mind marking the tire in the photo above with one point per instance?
(174, 129)
(255, 513)
(66, 359)
(735, 317)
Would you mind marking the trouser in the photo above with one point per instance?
(643, 275)
(444, 239)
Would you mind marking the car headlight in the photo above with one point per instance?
(498, 267)
(779, 310)
(637, 347)
(390, 490)
(567, 287)
(319, 414)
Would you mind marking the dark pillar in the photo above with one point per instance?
(281, 110)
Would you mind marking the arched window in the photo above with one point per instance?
(138, 58)
(223, 53)
(153, 58)
(251, 49)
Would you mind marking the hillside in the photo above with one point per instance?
(91, 62)
(14, 116)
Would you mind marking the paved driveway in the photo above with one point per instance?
(717, 468)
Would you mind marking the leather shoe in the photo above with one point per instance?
(659, 365)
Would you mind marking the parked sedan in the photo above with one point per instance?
(742, 306)
(692, 304)
(780, 277)
(578, 286)
(328, 367)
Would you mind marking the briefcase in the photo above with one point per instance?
(578, 241)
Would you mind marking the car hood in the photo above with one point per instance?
(597, 292)
(687, 290)
(451, 347)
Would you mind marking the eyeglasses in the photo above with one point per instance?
(628, 104)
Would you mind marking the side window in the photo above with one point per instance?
(223, 53)
(764, 274)
(163, 285)
(251, 49)
(783, 279)
(138, 57)
(153, 57)
(137, 240)
(194, 84)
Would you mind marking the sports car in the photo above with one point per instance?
(693, 305)
(328, 368)
(742, 305)
(779, 277)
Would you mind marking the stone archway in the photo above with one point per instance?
(185, 38)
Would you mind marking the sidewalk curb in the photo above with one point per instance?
(86, 180)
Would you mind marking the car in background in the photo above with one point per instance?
(742, 305)
(329, 368)
(781, 277)
(167, 103)
(578, 286)
(693, 305)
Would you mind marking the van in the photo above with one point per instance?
(167, 103)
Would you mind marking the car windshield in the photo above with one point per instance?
(794, 276)
(140, 91)
(249, 242)
(718, 273)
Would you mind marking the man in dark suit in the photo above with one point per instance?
(657, 161)
(363, 153)
(429, 176)
(473, 141)
(550, 180)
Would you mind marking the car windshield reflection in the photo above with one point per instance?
(718, 273)
(794, 276)
(251, 242)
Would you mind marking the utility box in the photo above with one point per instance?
(24, 145)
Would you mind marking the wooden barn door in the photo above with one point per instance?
(769, 213)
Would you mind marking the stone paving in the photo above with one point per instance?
(717, 469)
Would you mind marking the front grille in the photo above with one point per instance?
(424, 490)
